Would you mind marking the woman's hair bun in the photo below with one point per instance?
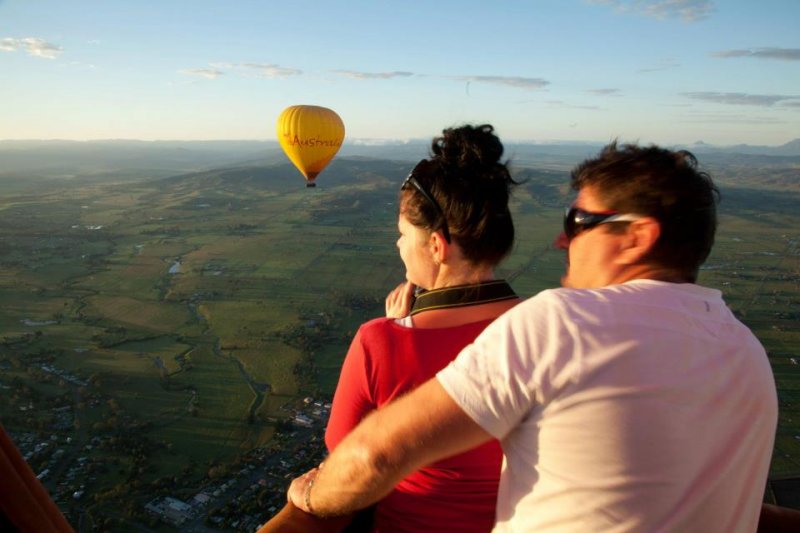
(470, 147)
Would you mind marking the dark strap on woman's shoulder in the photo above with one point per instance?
(463, 295)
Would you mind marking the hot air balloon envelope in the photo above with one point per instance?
(310, 136)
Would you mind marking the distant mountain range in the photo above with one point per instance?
(157, 158)
(792, 148)
(57, 159)
(363, 147)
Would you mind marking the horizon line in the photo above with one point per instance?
(381, 141)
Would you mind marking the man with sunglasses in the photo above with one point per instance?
(630, 400)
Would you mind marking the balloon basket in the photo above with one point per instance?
(311, 184)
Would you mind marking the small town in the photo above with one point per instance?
(232, 498)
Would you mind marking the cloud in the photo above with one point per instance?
(264, 70)
(665, 65)
(32, 45)
(260, 70)
(530, 84)
(686, 10)
(208, 73)
(373, 75)
(762, 100)
(784, 54)
(604, 92)
(562, 104)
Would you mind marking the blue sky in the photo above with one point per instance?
(663, 71)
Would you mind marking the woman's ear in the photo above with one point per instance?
(439, 247)
(640, 237)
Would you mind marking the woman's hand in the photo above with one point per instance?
(398, 303)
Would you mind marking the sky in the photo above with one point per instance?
(722, 72)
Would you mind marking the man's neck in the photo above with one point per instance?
(651, 272)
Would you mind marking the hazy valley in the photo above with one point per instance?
(175, 314)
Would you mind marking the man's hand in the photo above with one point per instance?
(398, 302)
(300, 490)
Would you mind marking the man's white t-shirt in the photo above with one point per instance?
(645, 406)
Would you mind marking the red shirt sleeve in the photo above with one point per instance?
(353, 399)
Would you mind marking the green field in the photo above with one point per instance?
(198, 364)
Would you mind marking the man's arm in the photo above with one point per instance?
(422, 427)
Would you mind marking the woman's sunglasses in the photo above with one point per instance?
(411, 181)
(577, 220)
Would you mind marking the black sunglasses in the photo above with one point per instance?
(413, 182)
(577, 220)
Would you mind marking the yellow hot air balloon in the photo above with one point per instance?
(310, 136)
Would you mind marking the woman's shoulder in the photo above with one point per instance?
(376, 329)
(375, 325)
(389, 330)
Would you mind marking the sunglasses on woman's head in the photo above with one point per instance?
(577, 220)
(411, 181)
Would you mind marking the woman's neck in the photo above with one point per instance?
(467, 275)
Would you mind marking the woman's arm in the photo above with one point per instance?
(290, 519)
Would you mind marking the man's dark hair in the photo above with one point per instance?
(662, 184)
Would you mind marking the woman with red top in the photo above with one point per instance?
(455, 227)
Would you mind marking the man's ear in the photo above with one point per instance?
(640, 239)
